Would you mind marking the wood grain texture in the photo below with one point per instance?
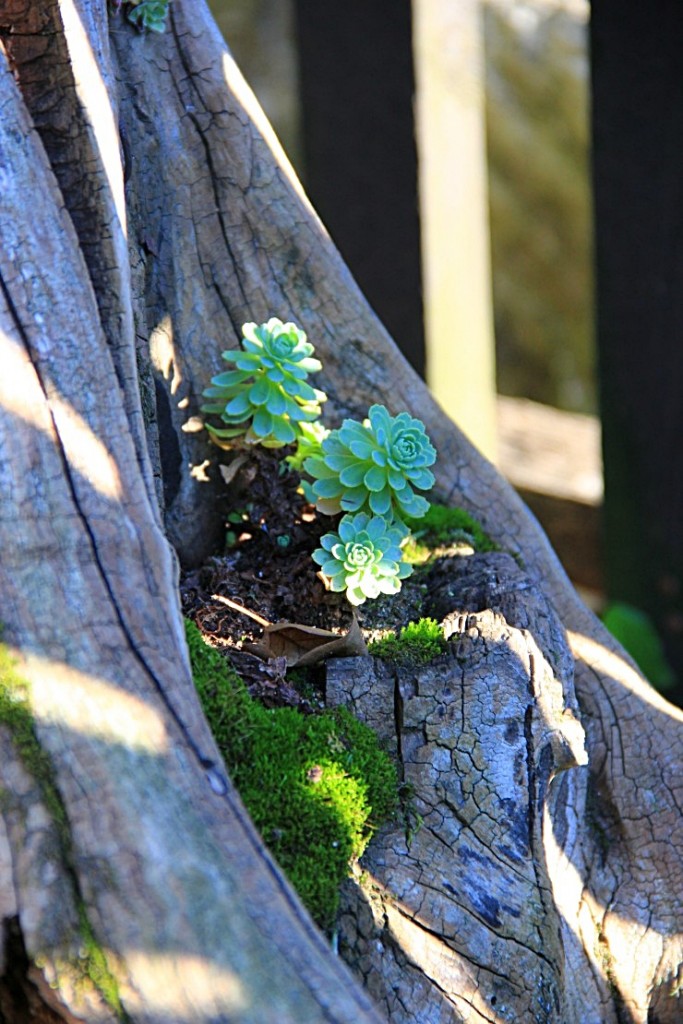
(518, 829)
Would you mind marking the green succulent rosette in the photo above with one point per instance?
(374, 466)
(266, 396)
(148, 14)
(363, 558)
(280, 349)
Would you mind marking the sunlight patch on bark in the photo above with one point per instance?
(94, 707)
(626, 957)
(86, 453)
(20, 396)
(181, 986)
(162, 352)
(433, 954)
(580, 912)
(602, 660)
(246, 98)
(94, 98)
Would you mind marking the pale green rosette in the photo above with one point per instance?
(374, 466)
(148, 14)
(363, 558)
(266, 397)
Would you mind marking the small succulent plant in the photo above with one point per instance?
(374, 466)
(370, 469)
(147, 14)
(308, 444)
(363, 557)
(266, 397)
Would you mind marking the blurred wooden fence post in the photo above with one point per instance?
(449, 72)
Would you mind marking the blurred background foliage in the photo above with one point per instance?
(540, 210)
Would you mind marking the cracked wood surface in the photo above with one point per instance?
(218, 232)
(458, 921)
(60, 55)
(489, 912)
(626, 876)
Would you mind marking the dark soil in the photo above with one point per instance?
(267, 570)
(266, 566)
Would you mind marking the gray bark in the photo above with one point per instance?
(487, 911)
(120, 829)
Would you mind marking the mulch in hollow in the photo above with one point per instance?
(267, 570)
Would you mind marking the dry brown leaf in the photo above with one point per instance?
(305, 645)
(230, 471)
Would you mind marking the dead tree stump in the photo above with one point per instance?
(451, 915)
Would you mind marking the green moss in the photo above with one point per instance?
(418, 643)
(316, 786)
(15, 714)
(95, 967)
(443, 527)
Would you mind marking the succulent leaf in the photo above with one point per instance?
(308, 444)
(149, 14)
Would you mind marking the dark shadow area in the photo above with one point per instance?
(360, 159)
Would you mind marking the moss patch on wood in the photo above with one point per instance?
(316, 785)
(417, 643)
(444, 528)
(15, 713)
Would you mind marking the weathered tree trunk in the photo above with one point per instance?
(132, 885)
(137, 882)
